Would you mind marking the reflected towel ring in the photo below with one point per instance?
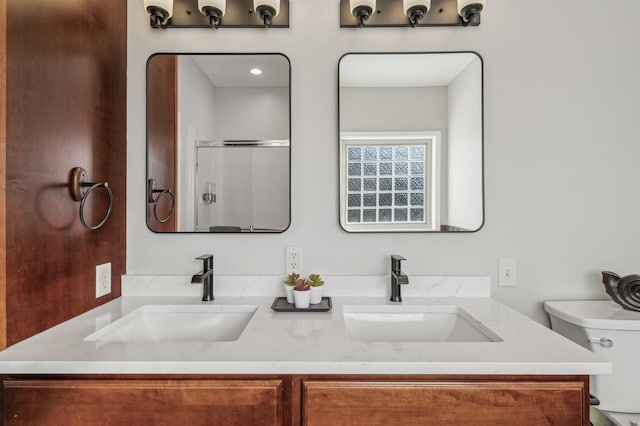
(160, 192)
(80, 190)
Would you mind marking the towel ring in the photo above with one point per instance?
(154, 199)
(80, 190)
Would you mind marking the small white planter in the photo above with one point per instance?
(316, 295)
(301, 298)
(288, 290)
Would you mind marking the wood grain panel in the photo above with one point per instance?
(162, 134)
(143, 402)
(3, 191)
(341, 399)
(438, 403)
(66, 107)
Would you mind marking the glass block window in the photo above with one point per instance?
(387, 182)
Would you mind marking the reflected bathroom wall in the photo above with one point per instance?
(430, 98)
(232, 143)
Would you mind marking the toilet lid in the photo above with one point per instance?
(602, 314)
(623, 419)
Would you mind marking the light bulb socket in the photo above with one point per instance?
(267, 13)
(362, 14)
(159, 17)
(214, 14)
(416, 13)
(470, 14)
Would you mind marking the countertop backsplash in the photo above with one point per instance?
(335, 285)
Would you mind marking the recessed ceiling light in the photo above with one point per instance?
(256, 71)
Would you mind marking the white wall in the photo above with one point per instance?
(252, 113)
(196, 98)
(375, 109)
(464, 171)
(562, 99)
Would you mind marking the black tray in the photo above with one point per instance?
(280, 304)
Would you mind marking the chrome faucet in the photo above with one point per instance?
(205, 277)
(397, 278)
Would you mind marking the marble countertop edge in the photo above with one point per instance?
(305, 343)
(304, 368)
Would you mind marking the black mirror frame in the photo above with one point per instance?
(465, 231)
(148, 150)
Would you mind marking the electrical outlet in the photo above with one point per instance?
(507, 272)
(103, 279)
(293, 261)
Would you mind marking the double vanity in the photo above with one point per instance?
(448, 354)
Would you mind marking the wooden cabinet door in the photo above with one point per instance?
(407, 403)
(143, 402)
(162, 122)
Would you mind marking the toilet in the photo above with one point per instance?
(613, 333)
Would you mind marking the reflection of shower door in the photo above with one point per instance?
(251, 187)
(229, 171)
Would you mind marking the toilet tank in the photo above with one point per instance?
(613, 334)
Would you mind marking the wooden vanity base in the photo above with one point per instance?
(296, 400)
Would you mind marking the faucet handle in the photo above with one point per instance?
(395, 262)
(208, 261)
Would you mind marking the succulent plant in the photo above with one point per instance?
(315, 280)
(301, 285)
(291, 279)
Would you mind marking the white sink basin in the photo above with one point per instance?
(178, 323)
(414, 323)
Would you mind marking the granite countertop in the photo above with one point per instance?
(303, 343)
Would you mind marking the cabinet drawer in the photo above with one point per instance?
(143, 402)
(443, 403)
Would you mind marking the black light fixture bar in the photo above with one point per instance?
(239, 14)
(390, 13)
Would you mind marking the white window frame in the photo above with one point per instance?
(432, 138)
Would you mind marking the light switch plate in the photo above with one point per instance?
(103, 279)
(507, 272)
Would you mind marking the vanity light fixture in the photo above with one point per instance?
(415, 10)
(362, 10)
(160, 11)
(214, 10)
(410, 13)
(218, 13)
(267, 9)
(469, 11)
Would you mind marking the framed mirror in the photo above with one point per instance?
(218, 143)
(411, 142)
